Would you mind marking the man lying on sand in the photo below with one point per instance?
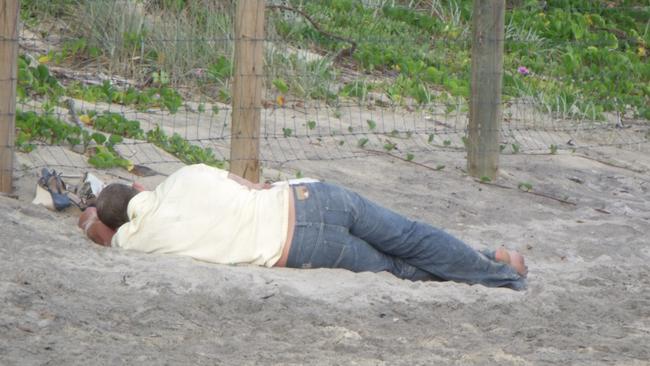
(211, 215)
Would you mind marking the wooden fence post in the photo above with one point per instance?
(247, 89)
(8, 78)
(486, 112)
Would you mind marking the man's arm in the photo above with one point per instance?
(94, 228)
(247, 183)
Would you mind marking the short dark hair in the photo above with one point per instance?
(112, 203)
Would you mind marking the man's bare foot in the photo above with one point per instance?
(513, 259)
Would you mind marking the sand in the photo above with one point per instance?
(66, 301)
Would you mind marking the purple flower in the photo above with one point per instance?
(523, 70)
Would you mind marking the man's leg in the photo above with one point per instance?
(425, 246)
(337, 249)
(322, 239)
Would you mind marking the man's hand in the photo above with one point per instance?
(94, 228)
(138, 186)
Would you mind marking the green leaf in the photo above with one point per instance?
(311, 124)
(287, 131)
(389, 146)
(465, 141)
(171, 99)
(220, 70)
(98, 138)
(409, 157)
(485, 179)
(525, 186)
(371, 124)
(160, 77)
(115, 139)
(224, 96)
(362, 142)
(281, 85)
(515, 148)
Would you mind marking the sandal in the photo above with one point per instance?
(52, 182)
(86, 195)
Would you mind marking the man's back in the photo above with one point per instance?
(199, 212)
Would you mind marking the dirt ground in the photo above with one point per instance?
(65, 301)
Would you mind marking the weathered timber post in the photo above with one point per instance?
(486, 112)
(247, 89)
(8, 78)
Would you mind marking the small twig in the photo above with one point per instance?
(634, 170)
(378, 152)
(89, 77)
(529, 192)
(477, 180)
(342, 53)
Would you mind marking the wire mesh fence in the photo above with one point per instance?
(150, 83)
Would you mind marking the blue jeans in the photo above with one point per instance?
(338, 228)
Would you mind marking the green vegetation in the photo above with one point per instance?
(117, 124)
(577, 59)
(182, 149)
(46, 128)
(189, 41)
(37, 82)
(33, 10)
(162, 97)
(32, 127)
(584, 58)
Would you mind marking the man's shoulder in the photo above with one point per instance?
(200, 169)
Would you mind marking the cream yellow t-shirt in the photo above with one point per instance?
(200, 213)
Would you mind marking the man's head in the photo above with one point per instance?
(112, 204)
